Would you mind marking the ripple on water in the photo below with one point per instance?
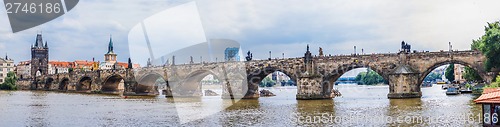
(40, 108)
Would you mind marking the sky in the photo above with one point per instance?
(259, 26)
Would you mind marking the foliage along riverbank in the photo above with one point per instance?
(370, 78)
(10, 82)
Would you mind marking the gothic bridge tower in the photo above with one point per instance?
(39, 57)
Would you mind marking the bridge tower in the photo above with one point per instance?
(39, 59)
(110, 57)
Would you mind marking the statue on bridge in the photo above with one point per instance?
(249, 56)
(405, 47)
(320, 51)
(149, 63)
(129, 66)
(191, 61)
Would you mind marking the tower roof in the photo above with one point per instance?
(110, 46)
(39, 41)
(403, 69)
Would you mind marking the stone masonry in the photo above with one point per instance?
(315, 76)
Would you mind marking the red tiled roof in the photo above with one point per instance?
(123, 64)
(24, 62)
(84, 63)
(490, 90)
(490, 95)
(60, 64)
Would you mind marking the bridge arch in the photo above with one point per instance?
(63, 84)
(113, 83)
(330, 78)
(48, 83)
(191, 84)
(478, 68)
(84, 84)
(256, 75)
(147, 83)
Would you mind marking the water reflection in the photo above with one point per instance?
(38, 108)
(41, 108)
(403, 112)
(242, 104)
(314, 112)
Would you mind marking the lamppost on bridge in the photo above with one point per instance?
(270, 55)
(354, 50)
(450, 46)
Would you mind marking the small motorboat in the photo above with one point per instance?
(444, 86)
(468, 90)
(452, 91)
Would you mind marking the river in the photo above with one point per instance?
(358, 106)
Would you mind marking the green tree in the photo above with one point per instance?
(450, 72)
(433, 76)
(369, 78)
(471, 75)
(267, 82)
(489, 45)
(495, 84)
(10, 82)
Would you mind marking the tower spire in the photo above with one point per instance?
(39, 41)
(110, 46)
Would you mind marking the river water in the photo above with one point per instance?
(358, 106)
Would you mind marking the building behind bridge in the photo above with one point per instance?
(6, 66)
(40, 64)
(232, 54)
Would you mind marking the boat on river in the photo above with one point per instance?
(444, 86)
(467, 90)
(452, 91)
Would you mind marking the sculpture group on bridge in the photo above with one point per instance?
(405, 47)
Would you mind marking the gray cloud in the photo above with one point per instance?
(263, 25)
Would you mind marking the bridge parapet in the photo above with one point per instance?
(315, 76)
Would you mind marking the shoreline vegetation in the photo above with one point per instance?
(370, 78)
(10, 82)
(488, 45)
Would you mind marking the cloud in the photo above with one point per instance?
(263, 25)
(83, 33)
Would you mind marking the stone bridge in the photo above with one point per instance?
(315, 76)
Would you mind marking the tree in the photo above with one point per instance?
(10, 82)
(471, 75)
(369, 78)
(433, 76)
(267, 82)
(495, 84)
(450, 73)
(489, 45)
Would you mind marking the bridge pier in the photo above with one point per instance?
(234, 89)
(403, 83)
(311, 88)
(252, 91)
